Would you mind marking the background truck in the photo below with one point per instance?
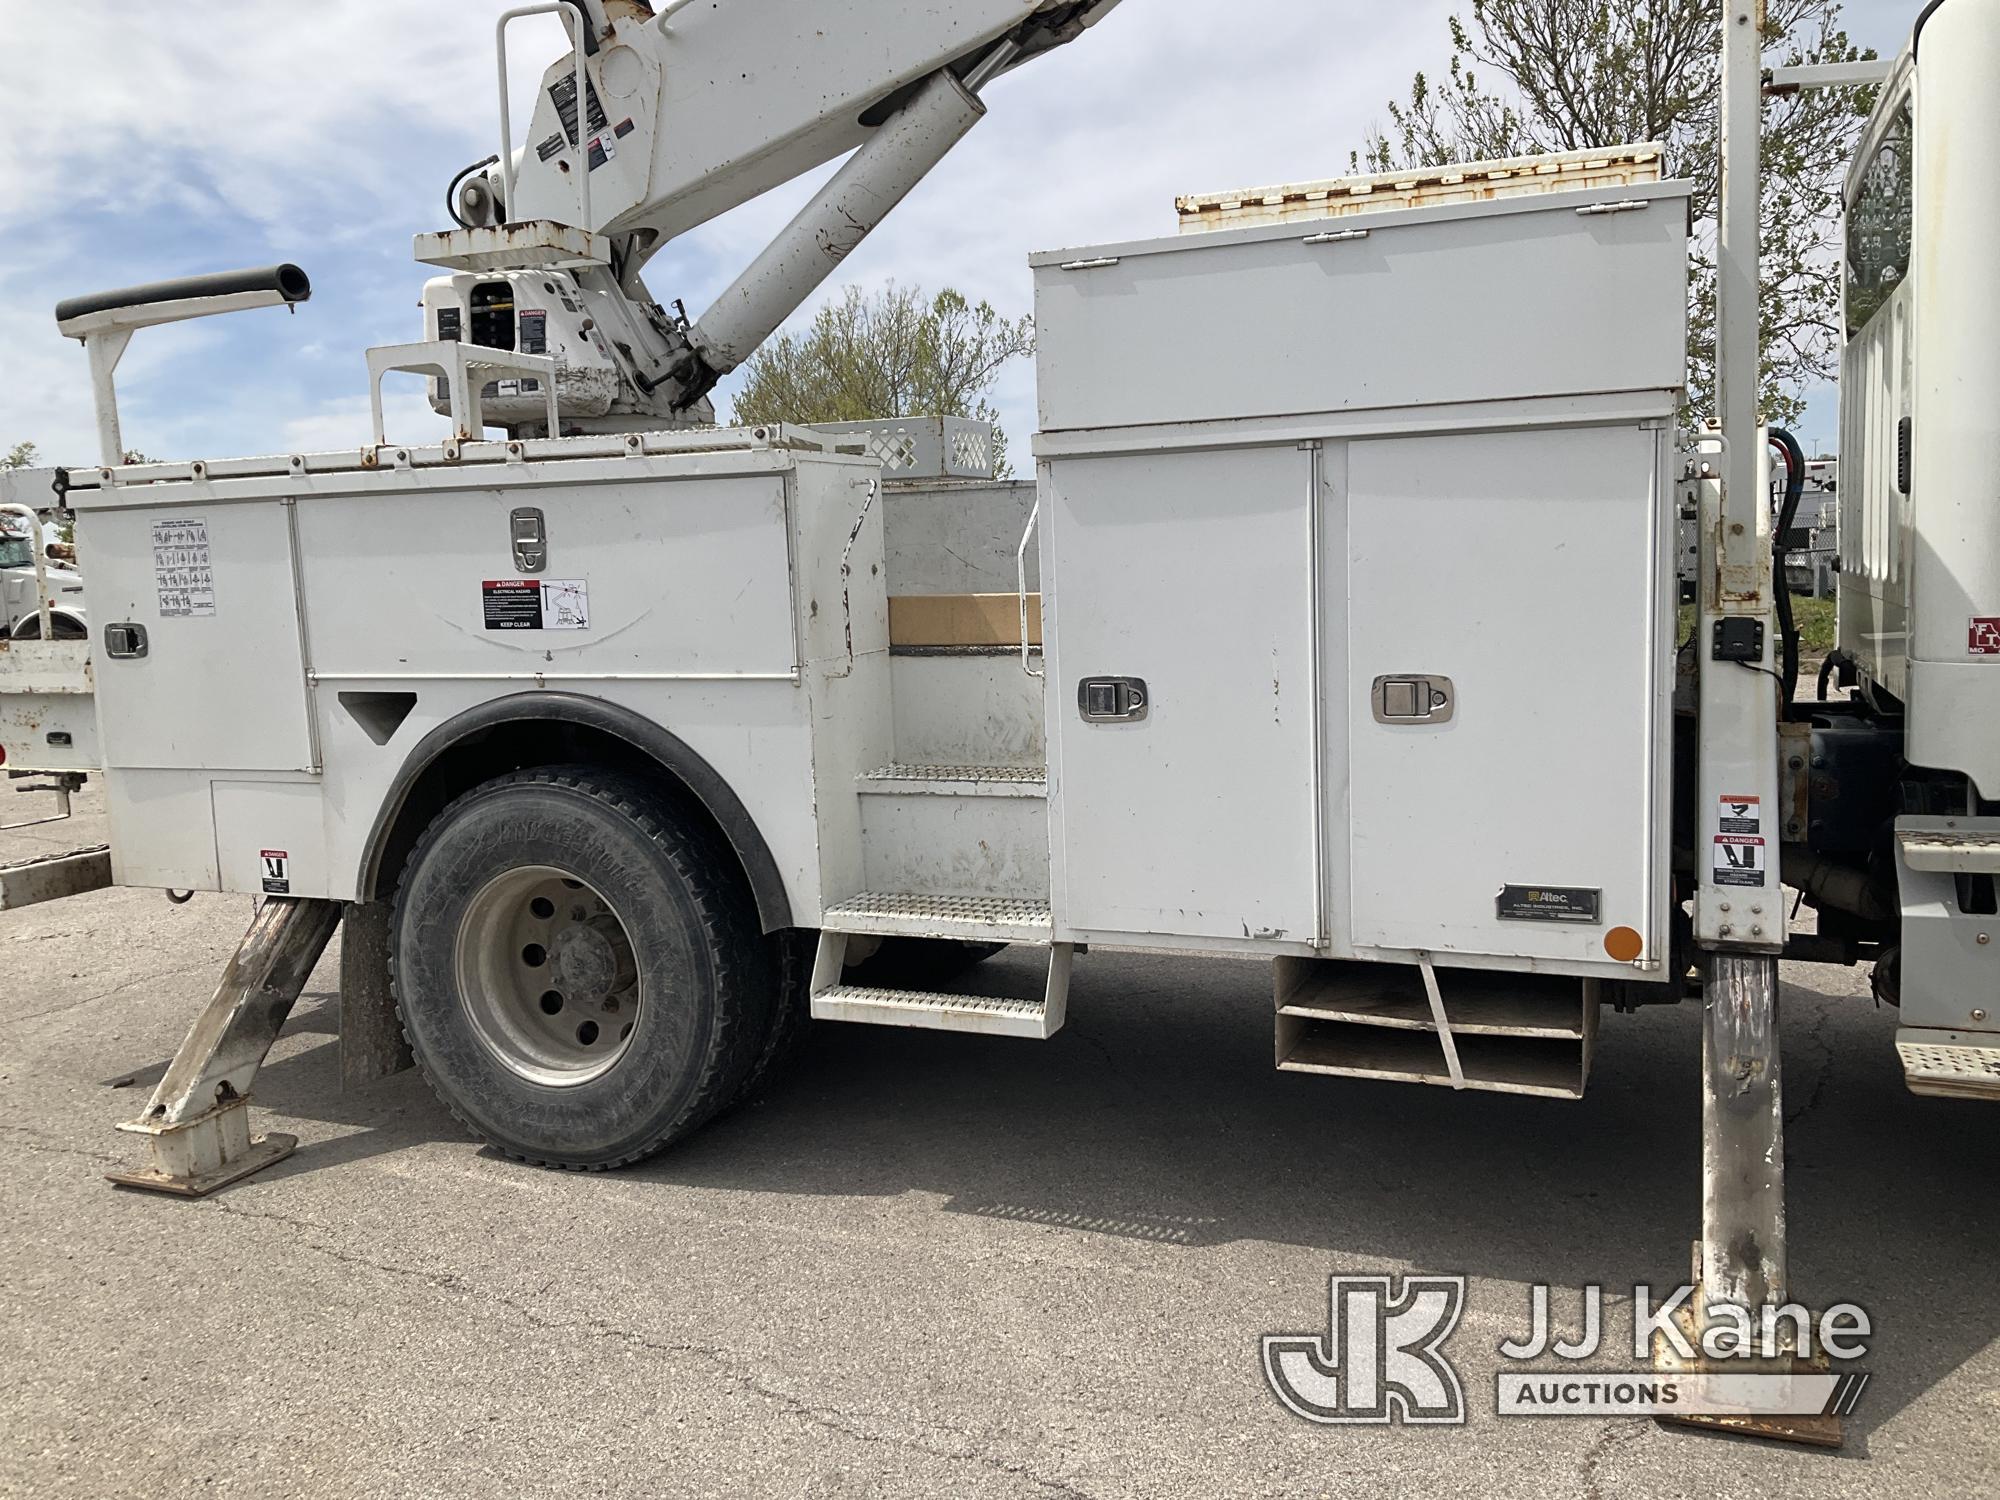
(1341, 632)
(20, 596)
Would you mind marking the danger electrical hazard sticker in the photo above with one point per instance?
(535, 603)
(1739, 860)
(1983, 638)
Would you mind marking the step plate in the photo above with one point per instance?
(901, 779)
(1950, 1072)
(991, 1016)
(995, 919)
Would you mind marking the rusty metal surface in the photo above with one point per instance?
(1815, 1430)
(50, 878)
(228, 1041)
(1743, 1134)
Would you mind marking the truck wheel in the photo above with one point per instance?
(579, 971)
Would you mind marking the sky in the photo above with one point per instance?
(144, 141)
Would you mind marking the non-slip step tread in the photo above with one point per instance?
(1951, 1071)
(999, 1005)
(1476, 1002)
(907, 779)
(1494, 1064)
(1962, 850)
(909, 914)
(911, 771)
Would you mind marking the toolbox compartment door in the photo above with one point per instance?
(1189, 577)
(1522, 573)
(214, 588)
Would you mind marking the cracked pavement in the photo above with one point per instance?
(920, 1264)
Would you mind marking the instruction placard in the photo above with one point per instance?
(535, 603)
(181, 568)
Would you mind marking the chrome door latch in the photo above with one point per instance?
(125, 641)
(1412, 698)
(1111, 700)
(531, 545)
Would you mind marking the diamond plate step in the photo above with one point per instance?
(903, 779)
(993, 919)
(1939, 844)
(987, 1015)
(1950, 1070)
(976, 1013)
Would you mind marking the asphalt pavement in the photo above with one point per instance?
(919, 1264)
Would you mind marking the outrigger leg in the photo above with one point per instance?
(198, 1122)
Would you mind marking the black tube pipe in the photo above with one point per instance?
(451, 192)
(1795, 485)
(288, 281)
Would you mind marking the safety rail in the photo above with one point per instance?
(1021, 584)
(580, 144)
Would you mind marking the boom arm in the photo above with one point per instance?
(695, 110)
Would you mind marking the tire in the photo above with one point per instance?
(791, 958)
(578, 970)
(915, 963)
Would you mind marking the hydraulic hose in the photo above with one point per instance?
(451, 192)
(1795, 486)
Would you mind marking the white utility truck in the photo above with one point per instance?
(26, 580)
(1337, 627)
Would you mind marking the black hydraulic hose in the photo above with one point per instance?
(1795, 486)
(451, 192)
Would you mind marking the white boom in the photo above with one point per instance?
(686, 116)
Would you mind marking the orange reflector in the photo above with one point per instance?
(1623, 944)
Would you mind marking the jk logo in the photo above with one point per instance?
(1381, 1359)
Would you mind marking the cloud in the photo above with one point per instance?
(139, 142)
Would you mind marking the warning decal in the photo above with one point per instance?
(1739, 860)
(1983, 639)
(1739, 815)
(535, 604)
(181, 568)
(277, 868)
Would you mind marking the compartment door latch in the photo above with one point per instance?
(1413, 698)
(531, 539)
(1111, 700)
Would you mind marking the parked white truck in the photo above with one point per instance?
(21, 593)
(1339, 626)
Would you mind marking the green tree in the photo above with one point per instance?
(21, 456)
(1568, 75)
(896, 352)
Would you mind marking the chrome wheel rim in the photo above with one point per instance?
(548, 977)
